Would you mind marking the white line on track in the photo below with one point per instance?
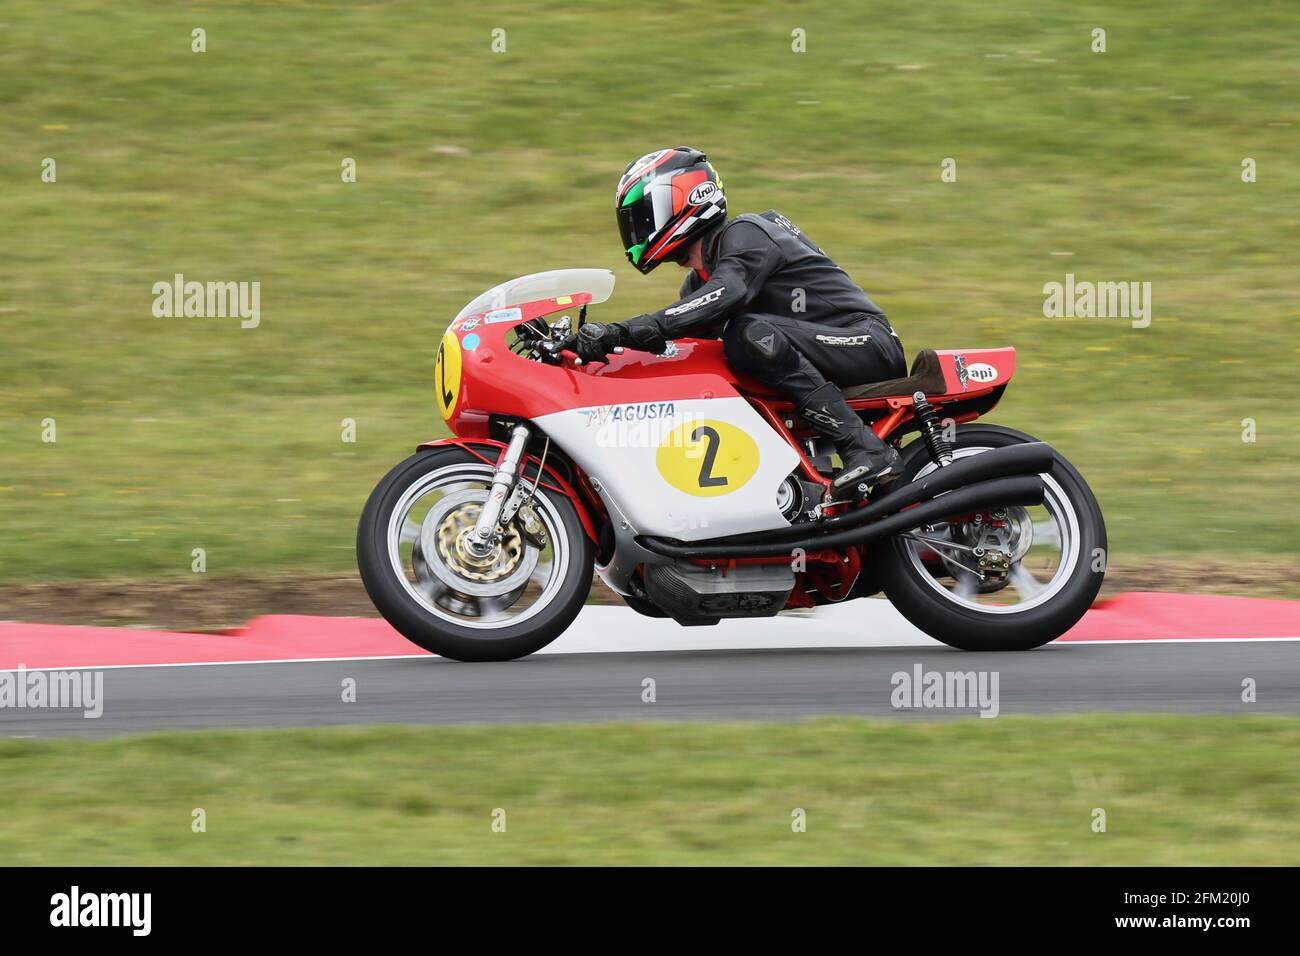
(683, 648)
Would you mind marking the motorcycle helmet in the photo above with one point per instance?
(665, 200)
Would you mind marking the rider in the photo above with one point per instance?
(787, 315)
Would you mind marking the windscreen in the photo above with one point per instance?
(599, 283)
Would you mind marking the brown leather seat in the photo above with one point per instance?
(926, 377)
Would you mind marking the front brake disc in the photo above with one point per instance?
(504, 570)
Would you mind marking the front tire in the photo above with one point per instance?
(972, 613)
(512, 605)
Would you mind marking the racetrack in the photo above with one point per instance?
(709, 685)
(759, 670)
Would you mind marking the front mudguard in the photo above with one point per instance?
(490, 450)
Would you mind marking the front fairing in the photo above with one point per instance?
(478, 376)
(676, 448)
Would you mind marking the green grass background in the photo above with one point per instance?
(1175, 791)
(183, 433)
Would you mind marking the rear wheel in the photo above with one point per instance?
(1003, 579)
(511, 602)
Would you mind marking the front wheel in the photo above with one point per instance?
(511, 602)
(1005, 579)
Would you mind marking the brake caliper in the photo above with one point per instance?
(534, 530)
(993, 566)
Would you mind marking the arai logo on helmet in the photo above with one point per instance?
(704, 192)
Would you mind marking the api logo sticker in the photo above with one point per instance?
(707, 458)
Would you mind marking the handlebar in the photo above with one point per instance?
(554, 348)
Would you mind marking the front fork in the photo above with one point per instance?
(483, 538)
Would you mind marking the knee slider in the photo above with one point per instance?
(763, 342)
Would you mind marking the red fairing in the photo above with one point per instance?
(495, 381)
(971, 372)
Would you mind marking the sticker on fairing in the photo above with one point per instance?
(981, 372)
(707, 458)
(503, 315)
(446, 374)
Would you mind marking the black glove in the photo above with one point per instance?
(595, 340)
(641, 334)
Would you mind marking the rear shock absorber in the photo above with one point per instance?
(931, 430)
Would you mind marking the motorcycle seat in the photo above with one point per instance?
(926, 377)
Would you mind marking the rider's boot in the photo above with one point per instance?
(867, 459)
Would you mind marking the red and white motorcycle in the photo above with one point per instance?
(699, 495)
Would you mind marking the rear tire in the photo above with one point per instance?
(971, 629)
(437, 632)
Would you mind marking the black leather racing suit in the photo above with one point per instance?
(787, 315)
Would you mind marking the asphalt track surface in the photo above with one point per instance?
(1182, 678)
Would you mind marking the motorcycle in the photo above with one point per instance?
(697, 494)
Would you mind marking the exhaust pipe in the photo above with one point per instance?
(1030, 458)
(1016, 490)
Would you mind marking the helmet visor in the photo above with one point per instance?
(636, 224)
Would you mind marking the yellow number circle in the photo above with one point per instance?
(707, 458)
(446, 373)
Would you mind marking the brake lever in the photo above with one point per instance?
(616, 350)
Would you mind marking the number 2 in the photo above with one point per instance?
(711, 439)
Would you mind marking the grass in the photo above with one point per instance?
(174, 434)
(1176, 791)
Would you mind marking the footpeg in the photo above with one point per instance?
(849, 477)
